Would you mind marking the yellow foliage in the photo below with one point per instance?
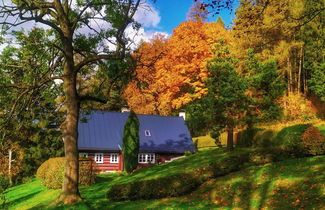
(296, 106)
(17, 157)
(171, 72)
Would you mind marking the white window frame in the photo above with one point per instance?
(147, 133)
(116, 160)
(100, 157)
(83, 154)
(144, 157)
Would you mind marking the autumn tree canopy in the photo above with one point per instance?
(171, 71)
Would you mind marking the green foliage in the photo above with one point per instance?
(4, 185)
(245, 138)
(32, 123)
(51, 172)
(226, 100)
(289, 139)
(265, 87)
(131, 143)
(317, 81)
(313, 141)
(264, 139)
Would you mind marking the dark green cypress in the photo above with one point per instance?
(131, 143)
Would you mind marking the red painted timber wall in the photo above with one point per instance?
(108, 166)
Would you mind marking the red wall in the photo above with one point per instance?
(107, 166)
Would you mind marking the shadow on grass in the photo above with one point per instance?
(293, 184)
(23, 198)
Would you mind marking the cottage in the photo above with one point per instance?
(162, 138)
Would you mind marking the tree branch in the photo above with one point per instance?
(92, 98)
(95, 58)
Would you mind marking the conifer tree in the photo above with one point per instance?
(131, 143)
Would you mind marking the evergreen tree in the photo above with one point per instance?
(131, 143)
(226, 94)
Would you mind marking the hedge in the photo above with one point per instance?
(183, 183)
(298, 140)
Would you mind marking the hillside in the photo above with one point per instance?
(206, 142)
(295, 183)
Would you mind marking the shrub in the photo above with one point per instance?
(4, 184)
(245, 138)
(188, 153)
(263, 138)
(313, 141)
(289, 139)
(51, 172)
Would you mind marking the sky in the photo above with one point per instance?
(160, 16)
(173, 12)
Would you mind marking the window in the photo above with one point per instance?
(99, 158)
(114, 158)
(147, 133)
(146, 158)
(85, 155)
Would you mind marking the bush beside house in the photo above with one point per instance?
(51, 172)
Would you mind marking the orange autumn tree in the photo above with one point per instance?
(171, 71)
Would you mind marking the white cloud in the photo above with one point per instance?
(137, 37)
(147, 15)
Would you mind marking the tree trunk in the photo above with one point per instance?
(9, 166)
(300, 70)
(230, 138)
(70, 191)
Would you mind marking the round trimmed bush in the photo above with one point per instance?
(313, 141)
(51, 172)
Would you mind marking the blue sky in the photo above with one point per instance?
(173, 12)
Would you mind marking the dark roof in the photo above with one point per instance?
(101, 130)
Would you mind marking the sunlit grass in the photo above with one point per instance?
(291, 184)
(206, 142)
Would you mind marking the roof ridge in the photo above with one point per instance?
(128, 112)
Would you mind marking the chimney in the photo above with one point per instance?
(125, 108)
(182, 114)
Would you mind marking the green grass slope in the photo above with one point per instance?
(291, 184)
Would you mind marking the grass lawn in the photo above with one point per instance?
(206, 142)
(296, 183)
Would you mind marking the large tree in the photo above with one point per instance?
(80, 44)
(172, 71)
